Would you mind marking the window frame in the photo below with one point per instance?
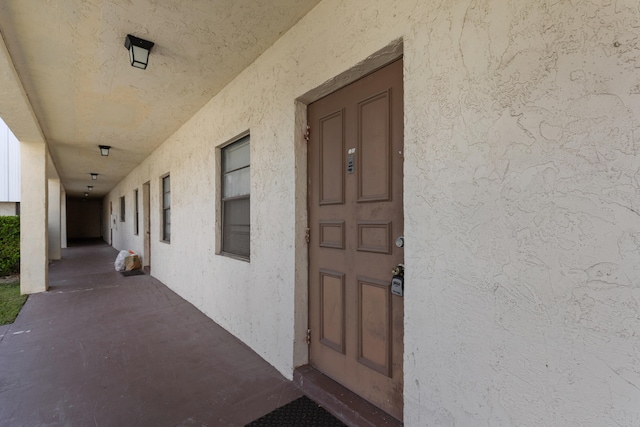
(245, 137)
(164, 209)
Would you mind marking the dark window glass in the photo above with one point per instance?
(235, 198)
(166, 208)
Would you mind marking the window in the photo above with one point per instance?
(136, 213)
(235, 198)
(122, 212)
(166, 208)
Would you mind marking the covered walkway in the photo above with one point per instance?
(100, 349)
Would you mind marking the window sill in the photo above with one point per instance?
(234, 256)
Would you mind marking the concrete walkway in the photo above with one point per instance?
(99, 349)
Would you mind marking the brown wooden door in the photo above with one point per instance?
(355, 214)
(146, 205)
(111, 223)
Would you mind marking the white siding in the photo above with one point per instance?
(9, 165)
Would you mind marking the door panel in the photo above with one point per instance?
(373, 148)
(355, 214)
(332, 321)
(374, 321)
(331, 153)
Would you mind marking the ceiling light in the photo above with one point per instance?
(94, 176)
(104, 150)
(138, 51)
(86, 194)
(90, 187)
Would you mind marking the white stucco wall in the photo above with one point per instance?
(522, 302)
(123, 231)
(7, 208)
(54, 220)
(522, 164)
(34, 207)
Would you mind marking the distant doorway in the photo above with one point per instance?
(146, 208)
(111, 223)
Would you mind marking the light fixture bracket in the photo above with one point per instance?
(139, 50)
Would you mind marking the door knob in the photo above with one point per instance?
(398, 270)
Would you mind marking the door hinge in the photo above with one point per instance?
(307, 133)
(308, 339)
(307, 235)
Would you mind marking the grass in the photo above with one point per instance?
(10, 302)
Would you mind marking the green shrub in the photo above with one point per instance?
(10, 302)
(9, 245)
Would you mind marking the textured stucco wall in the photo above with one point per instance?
(7, 208)
(522, 173)
(54, 220)
(521, 203)
(123, 231)
(34, 206)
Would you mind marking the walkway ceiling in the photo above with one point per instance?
(70, 58)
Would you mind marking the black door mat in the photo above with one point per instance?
(132, 273)
(302, 412)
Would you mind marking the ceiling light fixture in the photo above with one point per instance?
(94, 176)
(86, 194)
(104, 151)
(90, 187)
(138, 51)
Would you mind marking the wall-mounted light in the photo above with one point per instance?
(90, 187)
(104, 151)
(94, 176)
(138, 51)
